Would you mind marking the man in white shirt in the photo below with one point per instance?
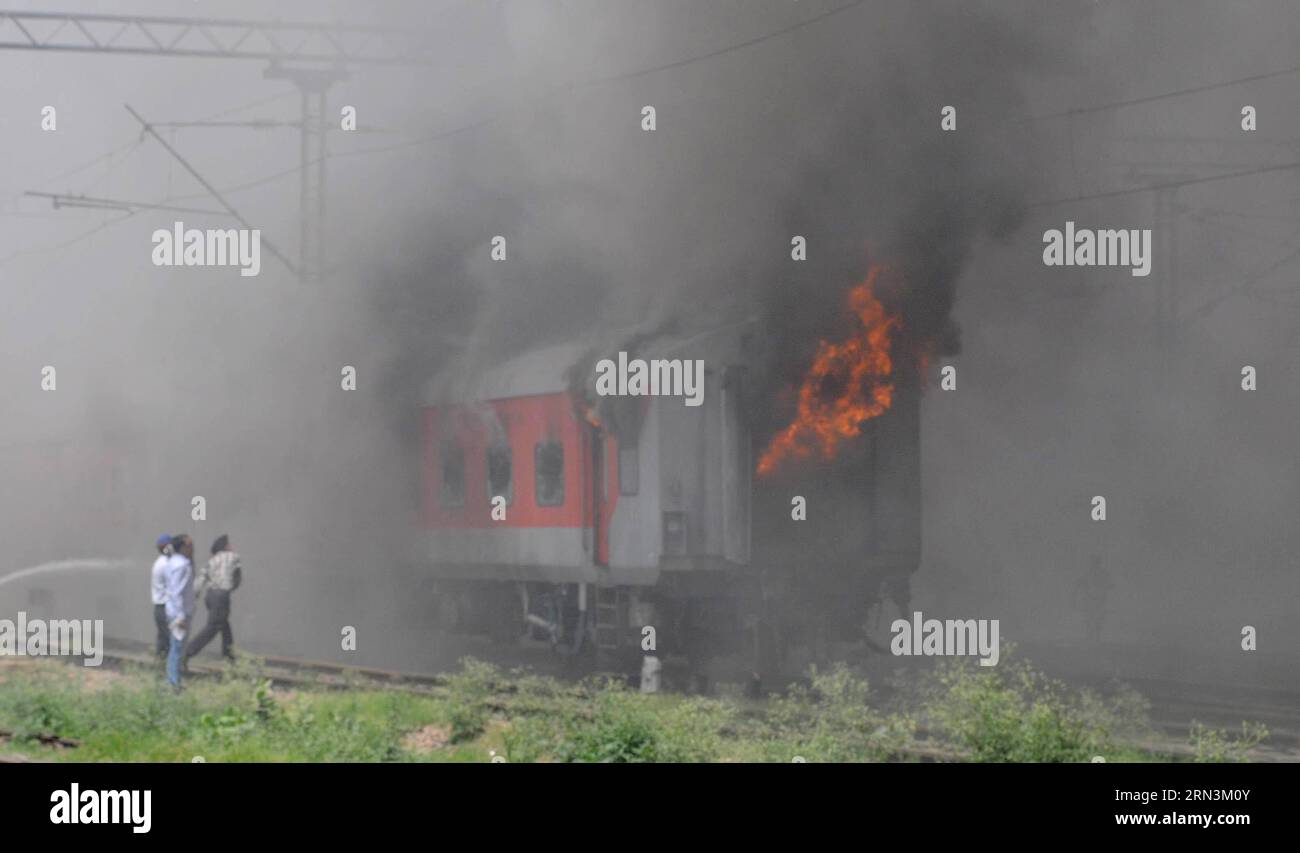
(180, 603)
(158, 590)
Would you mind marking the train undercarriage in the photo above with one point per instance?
(741, 628)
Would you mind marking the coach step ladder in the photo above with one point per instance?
(611, 602)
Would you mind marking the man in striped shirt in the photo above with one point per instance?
(217, 580)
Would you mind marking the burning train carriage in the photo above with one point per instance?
(853, 554)
(627, 512)
(604, 502)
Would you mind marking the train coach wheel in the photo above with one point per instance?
(505, 620)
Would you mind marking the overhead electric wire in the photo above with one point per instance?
(216, 194)
(488, 120)
(1176, 93)
(1262, 170)
(97, 203)
(83, 236)
(612, 78)
(133, 143)
(632, 74)
(257, 103)
(1246, 285)
(627, 75)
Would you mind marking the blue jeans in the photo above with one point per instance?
(174, 653)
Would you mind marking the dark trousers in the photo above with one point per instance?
(164, 640)
(218, 602)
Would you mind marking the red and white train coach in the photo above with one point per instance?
(612, 514)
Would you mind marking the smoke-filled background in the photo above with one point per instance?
(774, 119)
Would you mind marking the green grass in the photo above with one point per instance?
(138, 718)
(957, 712)
(1215, 746)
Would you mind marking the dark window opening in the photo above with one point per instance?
(500, 483)
(548, 462)
(452, 491)
(629, 469)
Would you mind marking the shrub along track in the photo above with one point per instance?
(290, 673)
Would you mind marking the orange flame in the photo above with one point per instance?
(923, 366)
(857, 372)
(589, 413)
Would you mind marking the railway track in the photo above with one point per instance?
(286, 672)
(1173, 703)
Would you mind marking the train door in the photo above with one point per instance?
(600, 545)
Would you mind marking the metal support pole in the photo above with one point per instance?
(312, 85)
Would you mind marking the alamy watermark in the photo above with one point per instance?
(946, 637)
(102, 807)
(1084, 247)
(83, 638)
(232, 247)
(657, 377)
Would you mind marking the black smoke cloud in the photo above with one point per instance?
(830, 131)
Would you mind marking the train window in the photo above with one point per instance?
(453, 475)
(500, 481)
(629, 469)
(548, 462)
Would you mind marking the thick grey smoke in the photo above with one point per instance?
(530, 128)
(830, 132)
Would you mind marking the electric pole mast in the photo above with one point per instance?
(312, 83)
(312, 56)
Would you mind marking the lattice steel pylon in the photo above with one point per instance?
(312, 56)
(275, 41)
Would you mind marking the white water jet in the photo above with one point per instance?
(66, 565)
